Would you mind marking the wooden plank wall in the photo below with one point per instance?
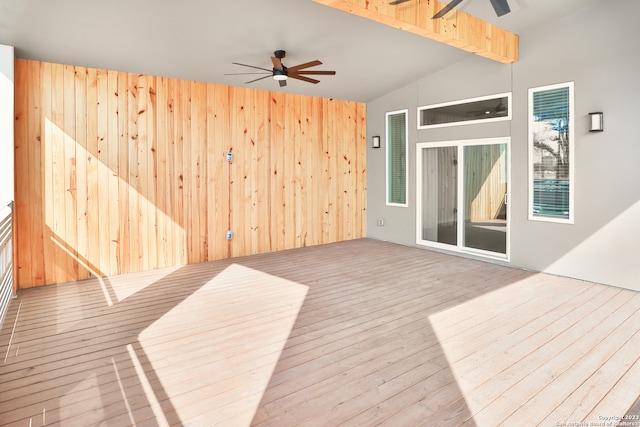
(119, 172)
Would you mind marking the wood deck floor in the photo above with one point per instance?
(358, 333)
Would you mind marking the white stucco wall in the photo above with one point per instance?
(603, 244)
(6, 125)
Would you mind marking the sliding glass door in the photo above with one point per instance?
(462, 196)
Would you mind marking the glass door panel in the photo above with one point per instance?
(440, 195)
(485, 197)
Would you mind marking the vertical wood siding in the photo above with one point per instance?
(119, 172)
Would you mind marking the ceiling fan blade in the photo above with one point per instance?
(260, 78)
(323, 73)
(393, 3)
(277, 64)
(447, 9)
(242, 74)
(303, 78)
(252, 66)
(282, 83)
(501, 7)
(305, 65)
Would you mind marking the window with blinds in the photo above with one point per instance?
(397, 148)
(551, 153)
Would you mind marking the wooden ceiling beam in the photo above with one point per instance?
(456, 28)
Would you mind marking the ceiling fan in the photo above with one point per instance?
(500, 6)
(281, 73)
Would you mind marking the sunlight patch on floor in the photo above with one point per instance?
(222, 344)
(470, 335)
(123, 287)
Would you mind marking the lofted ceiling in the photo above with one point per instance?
(199, 39)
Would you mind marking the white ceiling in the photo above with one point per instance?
(199, 39)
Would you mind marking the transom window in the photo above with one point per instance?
(483, 109)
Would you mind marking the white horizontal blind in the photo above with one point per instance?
(397, 158)
(551, 152)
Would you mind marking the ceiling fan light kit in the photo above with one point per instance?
(281, 74)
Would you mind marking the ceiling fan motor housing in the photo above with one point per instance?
(280, 74)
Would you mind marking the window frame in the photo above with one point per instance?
(465, 101)
(406, 158)
(530, 148)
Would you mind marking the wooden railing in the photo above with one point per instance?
(6, 258)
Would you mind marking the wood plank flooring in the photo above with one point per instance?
(357, 333)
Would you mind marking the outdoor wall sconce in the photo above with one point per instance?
(597, 122)
(376, 141)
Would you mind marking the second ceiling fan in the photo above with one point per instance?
(501, 7)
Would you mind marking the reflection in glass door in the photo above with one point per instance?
(485, 197)
(440, 184)
(462, 194)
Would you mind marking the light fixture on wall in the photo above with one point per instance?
(376, 141)
(597, 122)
